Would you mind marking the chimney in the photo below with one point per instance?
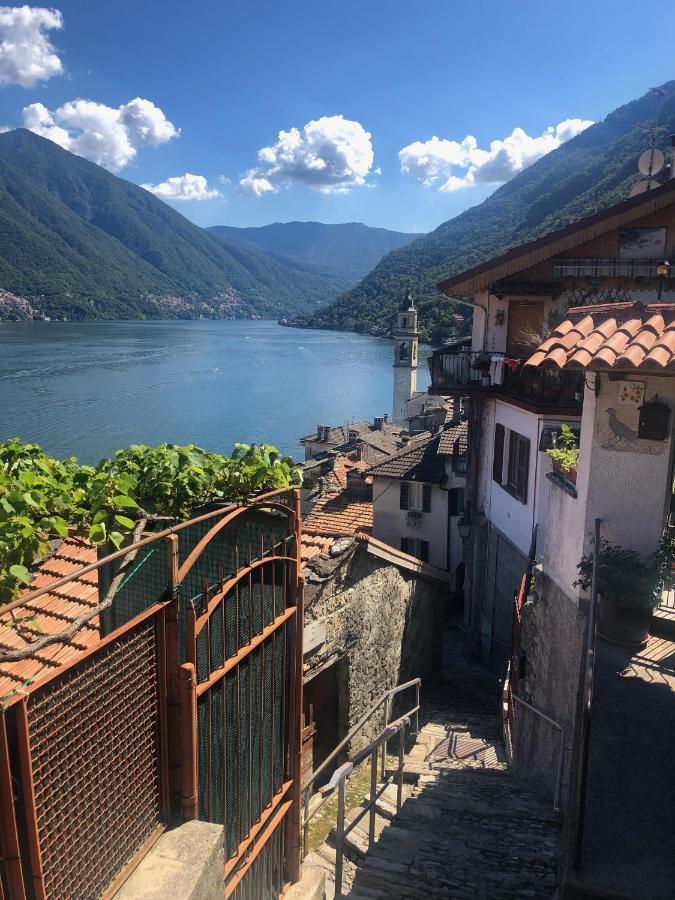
(385, 418)
(323, 432)
(378, 422)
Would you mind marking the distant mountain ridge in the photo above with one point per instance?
(80, 243)
(351, 248)
(584, 175)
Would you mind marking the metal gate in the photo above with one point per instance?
(187, 706)
(241, 691)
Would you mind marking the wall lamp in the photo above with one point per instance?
(465, 524)
(663, 271)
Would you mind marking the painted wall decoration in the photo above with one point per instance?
(642, 243)
(631, 393)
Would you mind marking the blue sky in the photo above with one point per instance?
(224, 78)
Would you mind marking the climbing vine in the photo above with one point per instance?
(42, 498)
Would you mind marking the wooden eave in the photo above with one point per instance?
(525, 256)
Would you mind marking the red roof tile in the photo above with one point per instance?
(52, 612)
(622, 336)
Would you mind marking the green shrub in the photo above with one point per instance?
(566, 451)
(625, 577)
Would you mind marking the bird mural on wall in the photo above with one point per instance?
(619, 429)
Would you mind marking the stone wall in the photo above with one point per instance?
(382, 625)
(552, 637)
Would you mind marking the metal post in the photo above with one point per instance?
(373, 795)
(339, 837)
(417, 704)
(384, 745)
(399, 773)
(587, 701)
(188, 735)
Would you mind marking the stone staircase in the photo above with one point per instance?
(467, 828)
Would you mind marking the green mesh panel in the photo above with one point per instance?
(264, 879)
(243, 612)
(244, 749)
(202, 655)
(216, 629)
(277, 711)
(217, 752)
(267, 724)
(268, 591)
(229, 605)
(203, 756)
(256, 725)
(230, 766)
(257, 579)
(144, 585)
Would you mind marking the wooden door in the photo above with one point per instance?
(525, 327)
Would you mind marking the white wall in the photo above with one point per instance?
(514, 519)
(626, 483)
(389, 520)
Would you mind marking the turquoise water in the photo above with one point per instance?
(85, 389)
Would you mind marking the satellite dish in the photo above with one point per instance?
(651, 162)
(642, 186)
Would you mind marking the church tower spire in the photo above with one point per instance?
(406, 344)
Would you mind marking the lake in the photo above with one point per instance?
(86, 389)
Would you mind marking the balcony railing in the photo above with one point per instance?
(609, 267)
(462, 370)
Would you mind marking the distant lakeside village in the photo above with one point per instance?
(443, 667)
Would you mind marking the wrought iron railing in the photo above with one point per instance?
(494, 373)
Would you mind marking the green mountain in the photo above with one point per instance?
(82, 243)
(351, 249)
(588, 173)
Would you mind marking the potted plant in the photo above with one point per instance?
(481, 364)
(565, 454)
(629, 590)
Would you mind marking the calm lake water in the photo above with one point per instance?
(85, 389)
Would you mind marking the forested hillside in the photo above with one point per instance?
(81, 243)
(590, 172)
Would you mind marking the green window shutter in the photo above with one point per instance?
(424, 551)
(404, 545)
(498, 455)
(426, 498)
(522, 468)
(404, 495)
(456, 501)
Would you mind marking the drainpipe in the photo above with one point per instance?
(474, 305)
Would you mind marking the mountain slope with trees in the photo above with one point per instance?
(584, 175)
(81, 243)
(350, 249)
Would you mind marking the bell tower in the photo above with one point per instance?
(406, 344)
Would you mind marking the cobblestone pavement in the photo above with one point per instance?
(468, 828)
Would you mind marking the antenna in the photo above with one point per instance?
(652, 160)
(641, 187)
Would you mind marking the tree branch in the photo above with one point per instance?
(64, 636)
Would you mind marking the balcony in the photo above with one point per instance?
(605, 267)
(464, 372)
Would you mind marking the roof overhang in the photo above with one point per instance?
(481, 277)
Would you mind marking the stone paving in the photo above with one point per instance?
(468, 829)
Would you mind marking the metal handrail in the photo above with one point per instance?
(338, 782)
(345, 770)
(561, 759)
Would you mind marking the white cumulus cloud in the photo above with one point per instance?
(460, 164)
(26, 54)
(184, 187)
(331, 154)
(109, 136)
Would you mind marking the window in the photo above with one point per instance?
(498, 456)
(415, 496)
(519, 466)
(456, 501)
(415, 547)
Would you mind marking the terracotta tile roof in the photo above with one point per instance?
(459, 434)
(341, 512)
(53, 612)
(419, 461)
(623, 336)
(337, 478)
(315, 544)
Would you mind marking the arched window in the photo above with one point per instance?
(403, 352)
(405, 322)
